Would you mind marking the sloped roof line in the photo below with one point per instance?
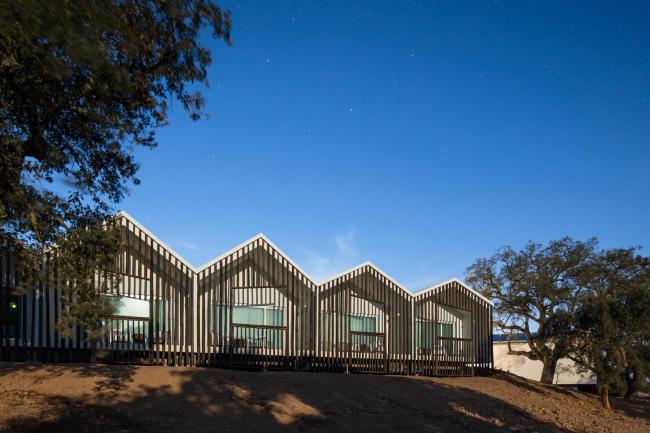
(341, 274)
(294, 264)
(362, 265)
(155, 238)
(222, 256)
(231, 251)
(456, 280)
(251, 240)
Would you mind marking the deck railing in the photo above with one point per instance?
(125, 339)
(257, 346)
(367, 352)
(447, 357)
(455, 357)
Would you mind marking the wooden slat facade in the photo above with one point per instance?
(468, 315)
(149, 272)
(253, 308)
(255, 275)
(364, 292)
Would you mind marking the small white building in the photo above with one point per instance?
(566, 373)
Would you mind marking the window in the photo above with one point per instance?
(445, 330)
(330, 322)
(130, 307)
(424, 335)
(363, 324)
(274, 316)
(258, 315)
(248, 315)
(333, 325)
(425, 338)
(264, 315)
(131, 323)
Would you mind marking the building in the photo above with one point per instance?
(253, 307)
(566, 372)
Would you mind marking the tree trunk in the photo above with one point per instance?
(604, 396)
(548, 372)
(629, 380)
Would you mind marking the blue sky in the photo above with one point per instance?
(415, 135)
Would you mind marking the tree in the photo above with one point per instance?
(81, 83)
(609, 331)
(86, 260)
(637, 367)
(528, 288)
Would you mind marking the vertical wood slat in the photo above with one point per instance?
(183, 298)
(41, 288)
(4, 289)
(184, 335)
(23, 333)
(167, 335)
(48, 275)
(158, 320)
(16, 321)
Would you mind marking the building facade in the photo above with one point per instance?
(253, 307)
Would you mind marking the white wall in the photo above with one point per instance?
(274, 296)
(460, 319)
(565, 374)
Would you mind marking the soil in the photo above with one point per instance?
(123, 398)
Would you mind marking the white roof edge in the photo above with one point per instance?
(361, 266)
(154, 237)
(261, 236)
(229, 252)
(344, 273)
(254, 238)
(211, 262)
(428, 289)
(294, 264)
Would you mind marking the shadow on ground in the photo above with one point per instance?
(155, 399)
(109, 377)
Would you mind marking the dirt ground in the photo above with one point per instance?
(111, 398)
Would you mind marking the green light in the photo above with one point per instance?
(12, 305)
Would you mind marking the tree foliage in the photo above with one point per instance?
(608, 333)
(81, 83)
(590, 306)
(529, 287)
(87, 262)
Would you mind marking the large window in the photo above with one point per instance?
(258, 315)
(130, 307)
(268, 315)
(363, 324)
(264, 315)
(445, 330)
(330, 323)
(426, 338)
(131, 323)
(424, 335)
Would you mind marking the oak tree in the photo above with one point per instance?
(81, 83)
(609, 332)
(529, 287)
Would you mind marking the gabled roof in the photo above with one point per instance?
(261, 236)
(362, 265)
(437, 286)
(254, 238)
(155, 238)
(226, 254)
